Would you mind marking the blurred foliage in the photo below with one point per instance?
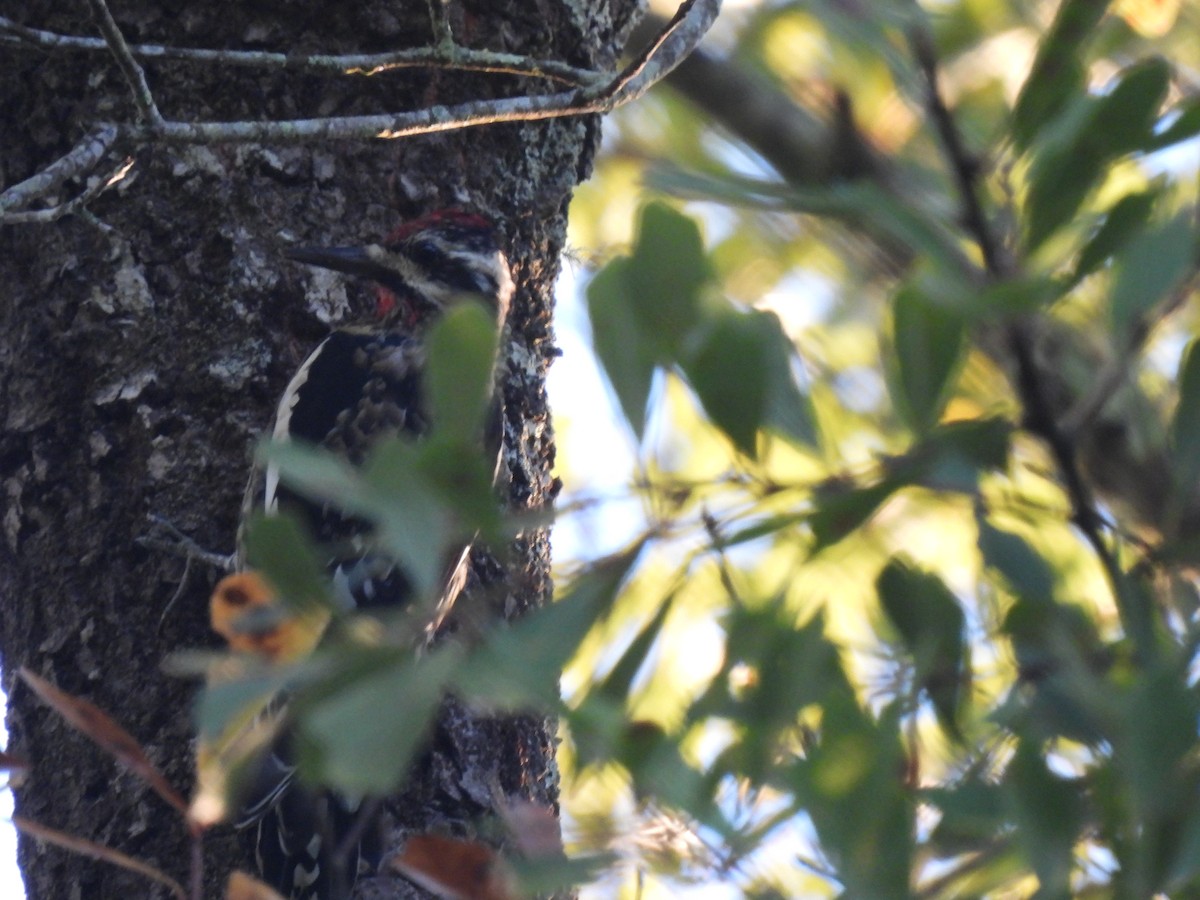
(887, 623)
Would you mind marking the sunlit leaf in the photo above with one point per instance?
(852, 786)
(728, 371)
(666, 274)
(1125, 219)
(618, 683)
(1151, 264)
(1184, 124)
(1093, 133)
(931, 624)
(1058, 70)
(928, 343)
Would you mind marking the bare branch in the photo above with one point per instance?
(128, 65)
(72, 206)
(677, 40)
(453, 57)
(83, 157)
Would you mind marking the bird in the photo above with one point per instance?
(363, 384)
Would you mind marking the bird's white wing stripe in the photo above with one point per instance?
(283, 421)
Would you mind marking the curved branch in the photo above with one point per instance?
(128, 65)
(83, 157)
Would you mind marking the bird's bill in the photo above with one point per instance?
(351, 260)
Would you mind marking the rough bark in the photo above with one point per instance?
(139, 365)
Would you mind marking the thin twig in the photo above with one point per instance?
(649, 53)
(459, 58)
(963, 165)
(1040, 418)
(128, 65)
(196, 865)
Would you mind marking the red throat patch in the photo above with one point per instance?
(385, 302)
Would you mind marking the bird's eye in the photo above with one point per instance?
(425, 249)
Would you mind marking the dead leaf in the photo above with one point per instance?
(454, 869)
(1149, 18)
(106, 733)
(241, 886)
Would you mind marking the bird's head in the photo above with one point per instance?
(425, 266)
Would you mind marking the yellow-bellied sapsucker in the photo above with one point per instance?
(361, 384)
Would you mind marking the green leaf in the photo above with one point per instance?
(928, 344)
(557, 874)
(789, 409)
(462, 480)
(626, 352)
(618, 683)
(1125, 218)
(666, 275)
(1152, 264)
(1185, 426)
(1058, 70)
(850, 787)
(462, 355)
(871, 207)
(1048, 814)
(793, 667)
(1156, 742)
(519, 665)
(974, 445)
(314, 472)
(1184, 125)
(225, 703)
(931, 624)
(659, 771)
(1090, 135)
(841, 508)
(360, 737)
(728, 372)
(972, 811)
(1024, 569)
(412, 522)
(862, 204)
(278, 547)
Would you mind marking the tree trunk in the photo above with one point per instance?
(141, 356)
